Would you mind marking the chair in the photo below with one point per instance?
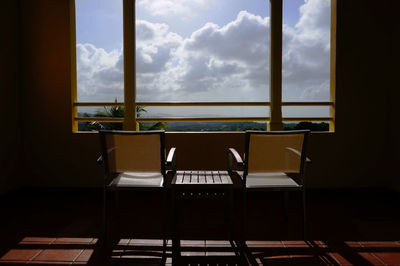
(273, 161)
(134, 161)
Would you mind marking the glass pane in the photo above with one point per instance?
(203, 50)
(305, 111)
(204, 126)
(99, 50)
(106, 111)
(313, 126)
(204, 111)
(306, 50)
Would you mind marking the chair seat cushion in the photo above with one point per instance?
(138, 179)
(265, 180)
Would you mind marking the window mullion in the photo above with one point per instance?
(74, 91)
(276, 65)
(333, 65)
(129, 23)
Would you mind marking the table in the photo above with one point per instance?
(199, 185)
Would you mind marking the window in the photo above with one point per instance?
(257, 63)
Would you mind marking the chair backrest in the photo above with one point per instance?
(275, 151)
(132, 151)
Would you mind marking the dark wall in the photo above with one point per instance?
(354, 156)
(10, 93)
(394, 95)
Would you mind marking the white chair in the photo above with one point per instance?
(134, 161)
(271, 161)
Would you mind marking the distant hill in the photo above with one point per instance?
(211, 126)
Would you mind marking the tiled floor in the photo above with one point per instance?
(149, 251)
(53, 228)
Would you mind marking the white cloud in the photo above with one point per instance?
(182, 8)
(306, 54)
(215, 63)
(100, 73)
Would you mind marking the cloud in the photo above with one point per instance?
(154, 43)
(100, 73)
(215, 63)
(306, 54)
(182, 8)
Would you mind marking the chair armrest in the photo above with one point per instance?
(171, 159)
(100, 160)
(308, 160)
(235, 154)
(171, 156)
(232, 153)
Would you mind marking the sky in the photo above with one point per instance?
(205, 50)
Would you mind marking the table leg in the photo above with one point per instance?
(175, 234)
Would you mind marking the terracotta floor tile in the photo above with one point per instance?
(193, 243)
(85, 255)
(72, 240)
(306, 260)
(149, 256)
(124, 241)
(37, 240)
(193, 253)
(265, 244)
(55, 255)
(294, 244)
(371, 258)
(317, 243)
(257, 242)
(146, 242)
(388, 244)
(339, 258)
(8, 262)
(217, 243)
(116, 253)
(20, 254)
(49, 262)
(220, 253)
(273, 260)
(391, 258)
(353, 243)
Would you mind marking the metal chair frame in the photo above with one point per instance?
(109, 177)
(234, 155)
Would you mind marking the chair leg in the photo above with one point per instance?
(244, 223)
(175, 234)
(229, 215)
(286, 196)
(105, 220)
(164, 223)
(117, 216)
(304, 213)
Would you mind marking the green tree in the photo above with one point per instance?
(116, 111)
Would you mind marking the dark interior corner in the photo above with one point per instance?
(50, 184)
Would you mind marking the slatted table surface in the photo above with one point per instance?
(206, 178)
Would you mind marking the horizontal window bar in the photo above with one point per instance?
(88, 104)
(307, 119)
(99, 119)
(307, 103)
(201, 119)
(204, 104)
